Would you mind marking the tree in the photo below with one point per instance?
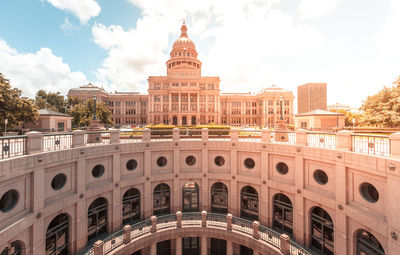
(383, 108)
(82, 113)
(349, 116)
(18, 110)
(51, 100)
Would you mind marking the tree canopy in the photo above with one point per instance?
(82, 113)
(383, 108)
(52, 101)
(15, 108)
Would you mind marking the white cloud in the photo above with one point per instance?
(68, 27)
(41, 70)
(388, 39)
(83, 9)
(316, 8)
(240, 40)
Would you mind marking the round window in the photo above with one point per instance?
(58, 181)
(321, 177)
(98, 171)
(190, 160)
(131, 165)
(369, 192)
(8, 200)
(249, 163)
(219, 161)
(282, 168)
(162, 161)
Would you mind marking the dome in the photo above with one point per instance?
(184, 41)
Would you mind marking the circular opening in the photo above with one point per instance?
(219, 161)
(98, 171)
(162, 161)
(321, 177)
(8, 200)
(58, 181)
(190, 160)
(249, 163)
(131, 165)
(369, 192)
(282, 168)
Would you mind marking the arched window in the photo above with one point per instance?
(131, 206)
(322, 231)
(14, 249)
(367, 244)
(57, 236)
(175, 120)
(184, 120)
(283, 213)
(193, 120)
(161, 199)
(190, 197)
(249, 203)
(219, 198)
(97, 218)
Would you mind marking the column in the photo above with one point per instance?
(198, 106)
(298, 205)
(178, 246)
(153, 248)
(189, 110)
(229, 247)
(204, 247)
(116, 194)
(147, 185)
(179, 102)
(170, 101)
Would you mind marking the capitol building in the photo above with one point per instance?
(203, 192)
(185, 97)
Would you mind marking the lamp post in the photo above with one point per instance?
(280, 102)
(94, 115)
(5, 125)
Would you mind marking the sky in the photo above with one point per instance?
(55, 45)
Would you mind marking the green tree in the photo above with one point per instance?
(18, 110)
(51, 100)
(383, 108)
(82, 113)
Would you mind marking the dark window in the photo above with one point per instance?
(190, 160)
(245, 250)
(282, 168)
(249, 163)
(190, 246)
(369, 192)
(162, 161)
(131, 206)
(9, 200)
(190, 197)
(97, 219)
(367, 244)
(14, 249)
(219, 161)
(322, 231)
(57, 236)
(219, 198)
(321, 177)
(164, 248)
(283, 214)
(161, 199)
(98, 171)
(249, 203)
(218, 246)
(58, 181)
(131, 165)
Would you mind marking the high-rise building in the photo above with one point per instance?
(311, 96)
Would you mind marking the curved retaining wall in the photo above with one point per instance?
(38, 203)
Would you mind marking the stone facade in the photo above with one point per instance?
(311, 96)
(185, 97)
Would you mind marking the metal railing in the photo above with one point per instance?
(191, 219)
(130, 136)
(371, 144)
(321, 140)
(58, 141)
(13, 146)
(97, 137)
(287, 137)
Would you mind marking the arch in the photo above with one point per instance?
(322, 231)
(16, 248)
(193, 121)
(282, 213)
(184, 120)
(368, 244)
(219, 198)
(97, 218)
(57, 238)
(161, 199)
(131, 206)
(249, 203)
(174, 120)
(190, 197)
